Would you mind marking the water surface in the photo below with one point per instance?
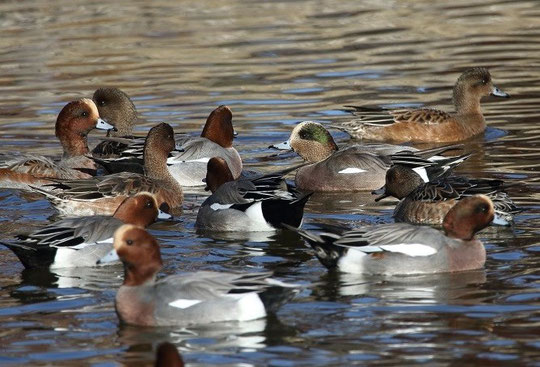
(276, 63)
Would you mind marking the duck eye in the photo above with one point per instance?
(483, 208)
(101, 102)
(84, 114)
(149, 204)
(129, 242)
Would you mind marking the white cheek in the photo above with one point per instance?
(352, 170)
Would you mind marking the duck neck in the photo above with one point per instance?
(135, 276)
(74, 144)
(155, 167)
(466, 103)
(458, 228)
(125, 126)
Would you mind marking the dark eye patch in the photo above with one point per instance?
(482, 208)
(84, 114)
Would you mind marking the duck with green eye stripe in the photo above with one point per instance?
(358, 167)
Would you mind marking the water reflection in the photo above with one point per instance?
(200, 342)
(445, 288)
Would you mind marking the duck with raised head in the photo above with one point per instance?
(82, 241)
(357, 167)
(73, 124)
(102, 195)
(429, 125)
(403, 248)
(201, 297)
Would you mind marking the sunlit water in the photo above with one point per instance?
(277, 63)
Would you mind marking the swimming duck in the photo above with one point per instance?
(73, 124)
(261, 203)
(193, 298)
(82, 241)
(428, 125)
(428, 202)
(102, 195)
(188, 164)
(358, 167)
(403, 248)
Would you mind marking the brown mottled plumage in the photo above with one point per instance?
(429, 125)
(73, 124)
(102, 195)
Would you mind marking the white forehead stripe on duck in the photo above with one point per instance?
(92, 106)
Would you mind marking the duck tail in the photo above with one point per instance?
(326, 251)
(284, 211)
(427, 153)
(48, 194)
(31, 257)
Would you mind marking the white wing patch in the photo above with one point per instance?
(422, 172)
(410, 249)
(352, 170)
(184, 303)
(218, 206)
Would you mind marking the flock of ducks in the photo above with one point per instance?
(110, 194)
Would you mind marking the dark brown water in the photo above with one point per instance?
(277, 63)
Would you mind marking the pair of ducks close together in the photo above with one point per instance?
(163, 163)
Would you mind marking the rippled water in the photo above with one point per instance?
(276, 63)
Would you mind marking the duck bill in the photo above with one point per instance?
(163, 212)
(235, 133)
(499, 93)
(164, 216)
(501, 219)
(286, 145)
(110, 257)
(381, 192)
(104, 125)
